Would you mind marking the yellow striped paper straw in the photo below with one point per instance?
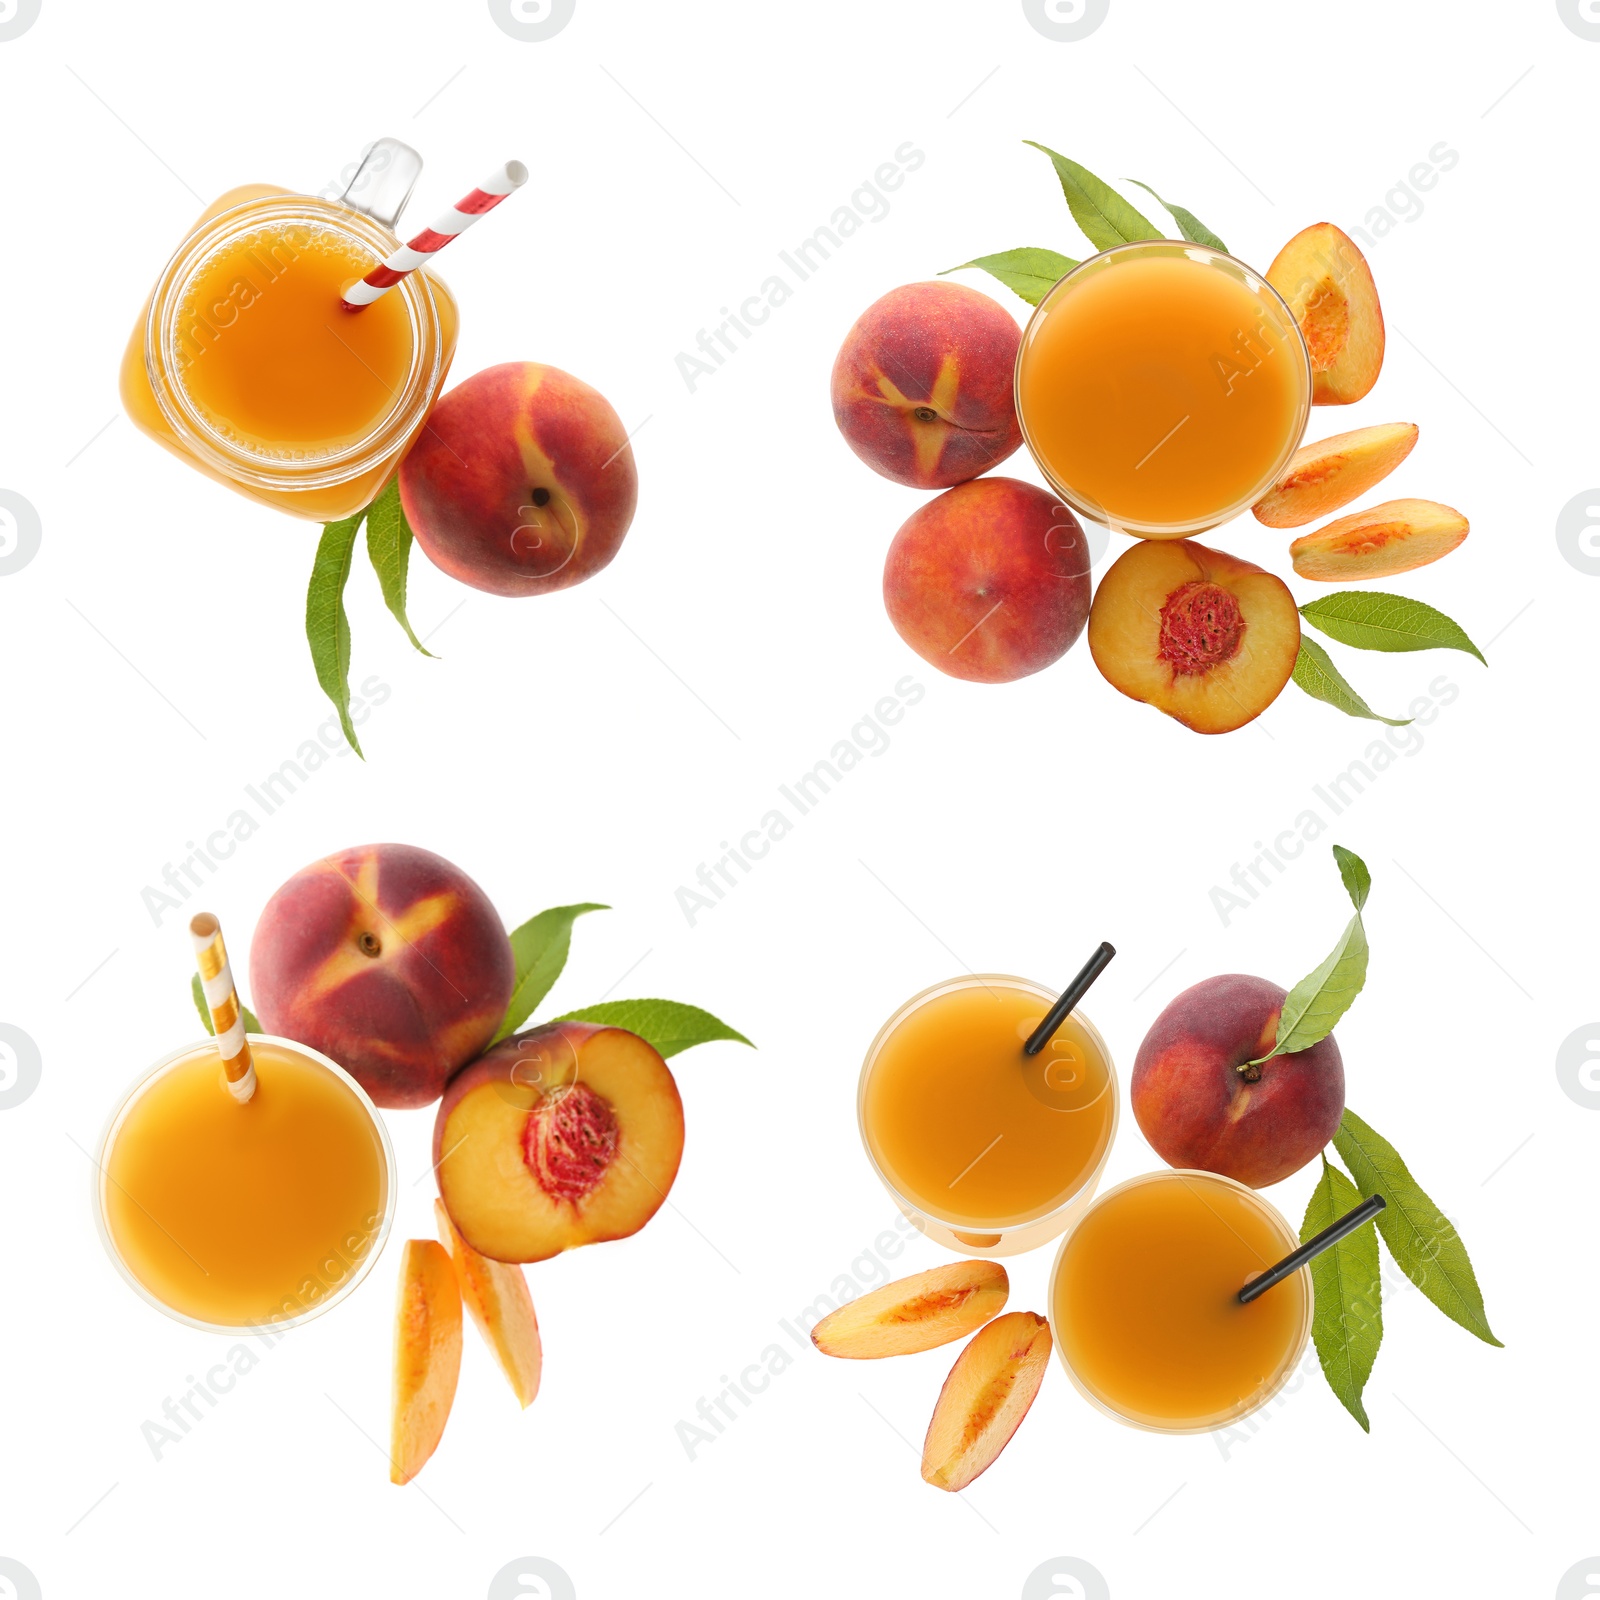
(222, 999)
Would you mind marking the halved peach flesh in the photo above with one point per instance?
(916, 1313)
(1322, 477)
(495, 1294)
(1206, 638)
(427, 1356)
(985, 1398)
(559, 1137)
(1329, 289)
(1397, 536)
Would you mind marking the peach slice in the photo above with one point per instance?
(1330, 292)
(1395, 537)
(1322, 477)
(427, 1355)
(562, 1136)
(1206, 638)
(916, 1313)
(497, 1296)
(985, 1397)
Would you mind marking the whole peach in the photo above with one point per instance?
(990, 581)
(1198, 1108)
(521, 482)
(388, 959)
(922, 385)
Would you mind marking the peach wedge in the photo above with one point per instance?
(1328, 286)
(427, 1355)
(985, 1398)
(1397, 536)
(1206, 638)
(496, 1295)
(1322, 477)
(916, 1313)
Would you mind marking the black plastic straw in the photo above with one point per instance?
(1070, 996)
(1331, 1235)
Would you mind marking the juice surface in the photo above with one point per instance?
(270, 358)
(328, 502)
(1160, 389)
(968, 1128)
(235, 1213)
(1144, 1306)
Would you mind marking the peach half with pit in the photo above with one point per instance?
(565, 1135)
(1205, 637)
(1201, 1102)
(922, 386)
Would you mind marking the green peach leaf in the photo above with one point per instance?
(1029, 271)
(669, 1025)
(197, 989)
(1105, 217)
(389, 551)
(1347, 1316)
(327, 627)
(1422, 1240)
(1189, 225)
(1316, 1003)
(1369, 620)
(1353, 872)
(1315, 672)
(541, 946)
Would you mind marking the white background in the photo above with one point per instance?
(599, 744)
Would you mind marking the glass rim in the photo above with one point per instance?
(957, 1225)
(194, 429)
(273, 1325)
(1202, 254)
(1244, 1408)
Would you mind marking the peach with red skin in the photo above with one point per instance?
(1200, 1104)
(390, 960)
(522, 481)
(566, 1135)
(990, 581)
(922, 386)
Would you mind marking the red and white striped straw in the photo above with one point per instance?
(418, 252)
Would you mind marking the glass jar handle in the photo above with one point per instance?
(384, 181)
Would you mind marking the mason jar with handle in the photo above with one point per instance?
(245, 364)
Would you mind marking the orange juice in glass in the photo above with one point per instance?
(989, 1151)
(1144, 1308)
(245, 365)
(1162, 387)
(234, 1215)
